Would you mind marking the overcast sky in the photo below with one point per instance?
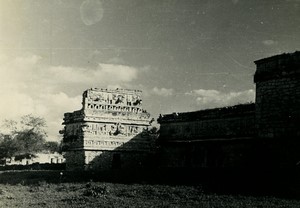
(185, 55)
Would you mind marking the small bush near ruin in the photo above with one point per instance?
(93, 190)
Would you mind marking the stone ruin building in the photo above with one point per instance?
(264, 133)
(110, 131)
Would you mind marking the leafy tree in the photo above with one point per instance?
(52, 146)
(8, 146)
(29, 142)
(24, 137)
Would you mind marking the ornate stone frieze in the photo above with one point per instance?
(109, 120)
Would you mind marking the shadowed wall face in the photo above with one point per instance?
(74, 160)
(278, 96)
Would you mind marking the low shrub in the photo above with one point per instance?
(93, 190)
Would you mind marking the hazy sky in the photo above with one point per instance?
(185, 55)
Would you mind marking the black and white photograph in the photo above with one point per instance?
(149, 103)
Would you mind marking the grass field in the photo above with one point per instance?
(99, 194)
(48, 189)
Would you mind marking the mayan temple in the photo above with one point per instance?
(110, 131)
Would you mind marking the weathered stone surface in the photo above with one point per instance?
(111, 129)
(110, 122)
(278, 96)
(262, 134)
(234, 121)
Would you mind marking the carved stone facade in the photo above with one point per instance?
(111, 127)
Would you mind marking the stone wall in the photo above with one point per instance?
(75, 159)
(259, 135)
(278, 96)
(207, 154)
(234, 121)
(119, 160)
(40, 158)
